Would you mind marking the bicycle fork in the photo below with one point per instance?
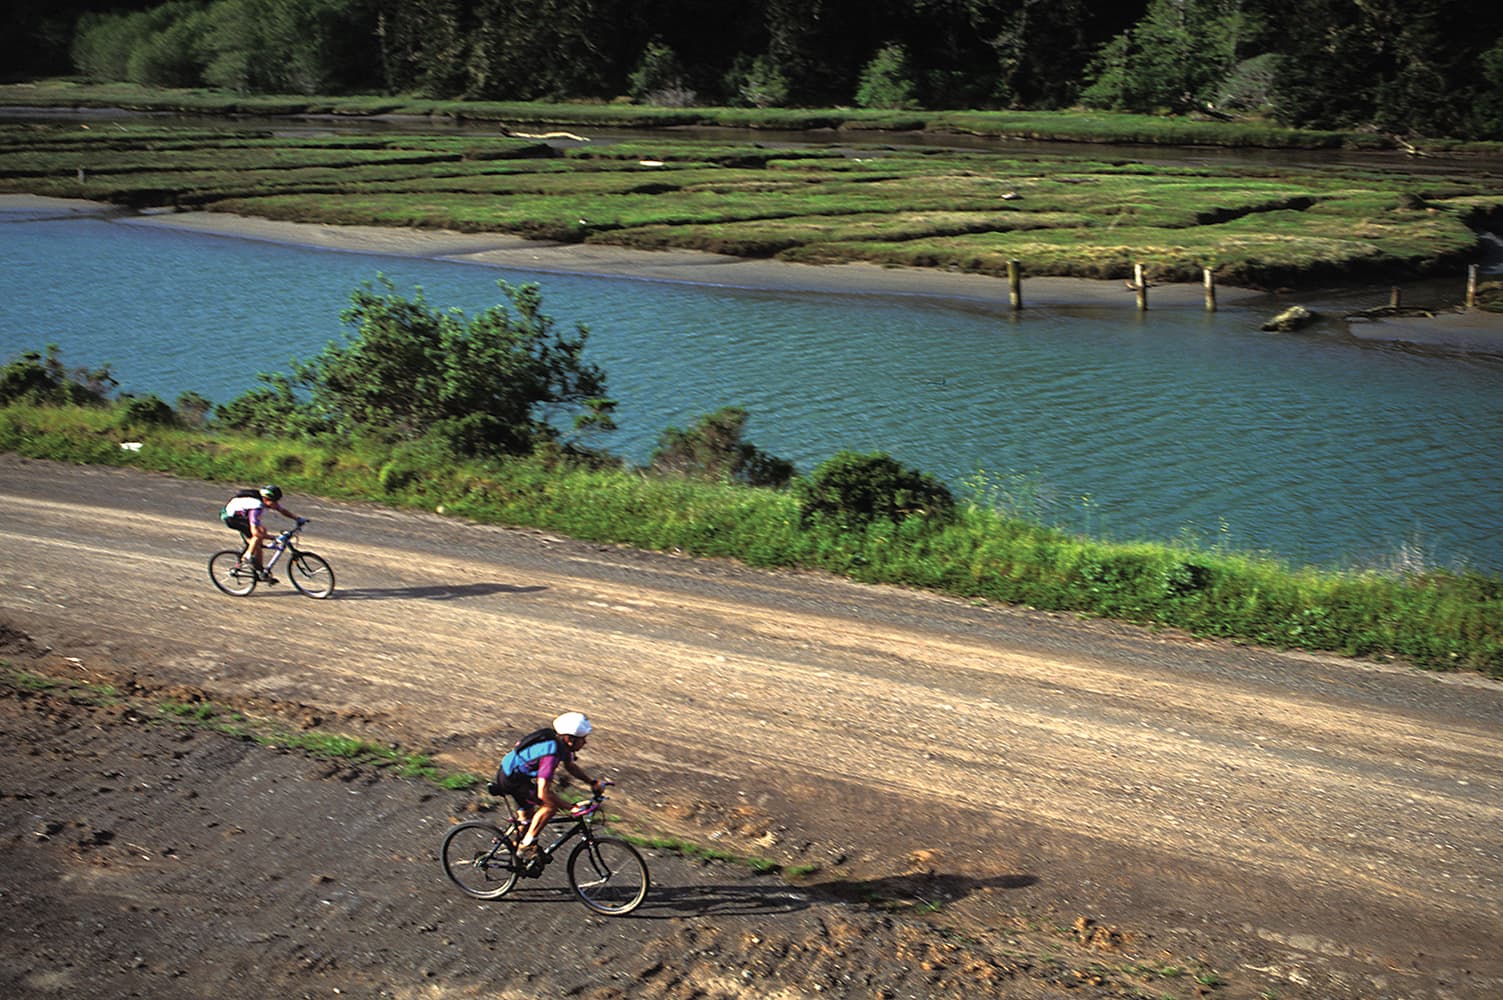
(598, 866)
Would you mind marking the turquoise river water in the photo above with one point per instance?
(1173, 425)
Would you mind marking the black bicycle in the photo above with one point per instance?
(607, 874)
(310, 573)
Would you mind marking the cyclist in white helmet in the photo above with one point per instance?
(526, 773)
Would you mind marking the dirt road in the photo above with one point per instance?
(1303, 826)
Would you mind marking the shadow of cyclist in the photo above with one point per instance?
(741, 900)
(434, 592)
(917, 888)
(772, 898)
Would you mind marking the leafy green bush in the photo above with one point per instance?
(273, 410)
(147, 411)
(45, 380)
(887, 81)
(713, 450)
(757, 82)
(193, 409)
(490, 385)
(853, 490)
(659, 78)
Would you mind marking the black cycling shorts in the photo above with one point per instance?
(522, 788)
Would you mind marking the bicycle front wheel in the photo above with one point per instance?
(224, 570)
(608, 875)
(479, 860)
(311, 574)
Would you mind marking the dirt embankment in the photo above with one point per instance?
(990, 800)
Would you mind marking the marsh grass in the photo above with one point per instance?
(966, 211)
(996, 551)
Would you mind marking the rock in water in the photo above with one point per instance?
(1291, 319)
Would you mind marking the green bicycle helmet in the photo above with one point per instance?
(271, 493)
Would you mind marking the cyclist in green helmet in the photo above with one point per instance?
(243, 514)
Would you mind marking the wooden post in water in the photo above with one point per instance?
(1210, 281)
(1395, 298)
(1471, 286)
(1141, 286)
(1015, 285)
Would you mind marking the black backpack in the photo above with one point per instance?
(224, 512)
(536, 736)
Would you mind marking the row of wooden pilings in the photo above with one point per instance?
(1140, 287)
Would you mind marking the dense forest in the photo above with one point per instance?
(1407, 67)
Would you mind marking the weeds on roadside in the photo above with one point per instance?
(1440, 619)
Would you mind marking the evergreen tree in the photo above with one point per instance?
(1401, 66)
(545, 49)
(423, 47)
(887, 81)
(1174, 57)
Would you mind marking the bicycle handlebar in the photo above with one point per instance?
(590, 806)
(283, 536)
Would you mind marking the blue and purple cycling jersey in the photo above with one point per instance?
(539, 760)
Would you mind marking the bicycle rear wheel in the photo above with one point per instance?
(479, 860)
(227, 576)
(608, 875)
(311, 574)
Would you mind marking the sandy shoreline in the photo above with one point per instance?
(1462, 330)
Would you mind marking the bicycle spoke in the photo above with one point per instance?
(478, 860)
(608, 875)
(311, 574)
(229, 576)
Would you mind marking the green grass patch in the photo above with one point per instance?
(690, 849)
(207, 714)
(23, 680)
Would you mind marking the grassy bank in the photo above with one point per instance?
(908, 207)
(1439, 620)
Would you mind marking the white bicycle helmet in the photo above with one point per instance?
(572, 724)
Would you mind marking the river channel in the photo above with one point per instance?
(1174, 424)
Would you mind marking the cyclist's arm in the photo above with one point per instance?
(549, 798)
(579, 773)
(283, 511)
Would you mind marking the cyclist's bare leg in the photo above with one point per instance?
(253, 547)
(540, 819)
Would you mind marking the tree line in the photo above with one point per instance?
(1421, 67)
